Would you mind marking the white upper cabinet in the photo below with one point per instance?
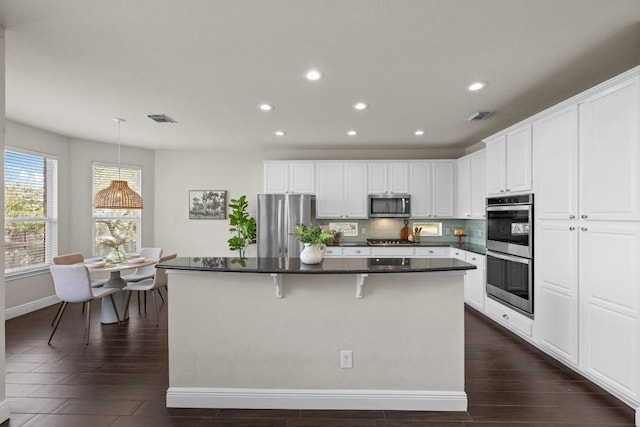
(610, 153)
(289, 177)
(509, 162)
(341, 190)
(471, 185)
(431, 188)
(555, 146)
(388, 177)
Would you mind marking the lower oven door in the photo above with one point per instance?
(510, 280)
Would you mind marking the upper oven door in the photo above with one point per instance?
(389, 206)
(510, 229)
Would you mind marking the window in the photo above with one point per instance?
(117, 223)
(30, 210)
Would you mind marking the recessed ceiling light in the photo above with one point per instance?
(360, 106)
(477, 86)
(313, 75)
(280, 133)
(266, 107)
(352, 133)
(419, 132)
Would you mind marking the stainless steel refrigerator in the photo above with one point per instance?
(278, 215)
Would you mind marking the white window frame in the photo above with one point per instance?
(50, 220)
(94, 218)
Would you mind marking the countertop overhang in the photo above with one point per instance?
(371, 265)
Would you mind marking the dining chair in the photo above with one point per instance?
(159, 280)
(72, 284)
(69, 259)
(144, 273)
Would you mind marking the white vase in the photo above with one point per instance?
(312, 254)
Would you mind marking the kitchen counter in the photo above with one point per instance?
(235, 343)
(471, 247)
(328, 265)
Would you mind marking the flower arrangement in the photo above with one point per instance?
(115, 256)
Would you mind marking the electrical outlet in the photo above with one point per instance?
(447, 230)
(363, 230)
(346, 359)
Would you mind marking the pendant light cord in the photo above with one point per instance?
(119, 120)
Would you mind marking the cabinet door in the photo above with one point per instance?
(609, 294)
(556, 288)
(420, 180)
(276, 177)
(398, 177)
(464, 187)
(478, 187)
(475, 281)
(329, 190)
(442, 188)
(355, 190)
(555, 147)
(377, 178)
(496, 162)
(518, 160)
(610, 153)
(302, 177)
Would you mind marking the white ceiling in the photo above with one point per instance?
(73, 65)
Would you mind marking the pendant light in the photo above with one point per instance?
(117, 195)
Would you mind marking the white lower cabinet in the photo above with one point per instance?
(474, 281)
(556, 288)
(511, 319)
(333, 252)
(610, 297)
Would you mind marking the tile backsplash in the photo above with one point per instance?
(389, 228)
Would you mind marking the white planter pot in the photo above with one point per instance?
(312, 254)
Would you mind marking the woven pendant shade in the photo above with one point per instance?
(117, 195)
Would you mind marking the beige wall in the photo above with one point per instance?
(238, 172)
(74, 202)
(3, 393)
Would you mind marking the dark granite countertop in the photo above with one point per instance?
(328, 265)
(471, 247)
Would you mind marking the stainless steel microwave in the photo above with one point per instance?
(389, 205)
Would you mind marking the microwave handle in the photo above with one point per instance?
(404, 209)
(509, 257)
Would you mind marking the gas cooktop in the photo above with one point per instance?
(388, 242)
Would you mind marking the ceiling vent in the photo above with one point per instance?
(160, 118)
(478, 115)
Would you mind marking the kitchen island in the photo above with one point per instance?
(275, 333)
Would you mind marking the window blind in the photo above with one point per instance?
(116, 222)
(31, 210)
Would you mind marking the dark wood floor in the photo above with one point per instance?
(121, 378)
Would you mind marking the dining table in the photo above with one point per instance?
(108, 316)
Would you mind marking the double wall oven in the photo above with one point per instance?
(510, 251)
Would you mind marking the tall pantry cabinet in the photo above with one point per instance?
(587, 233)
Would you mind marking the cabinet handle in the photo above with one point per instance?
(502, 191)
(468, 214)
(505, 317)
(572, 228)
(358, 252)
(583, 216)
(473, 259)
(507, 190)
(572, 217)
(584, 229)
(430, 252)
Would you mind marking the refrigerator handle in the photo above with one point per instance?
(280, 221)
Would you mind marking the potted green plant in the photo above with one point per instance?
(314, 239)
(242, 224)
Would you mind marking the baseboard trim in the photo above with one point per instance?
(5, 411)
(197, 397)
(29, 307)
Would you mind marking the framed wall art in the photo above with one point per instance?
(207, 204)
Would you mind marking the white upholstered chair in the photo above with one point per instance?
(159, 280)
(144, 273)
(69, 259)
(72, 284)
